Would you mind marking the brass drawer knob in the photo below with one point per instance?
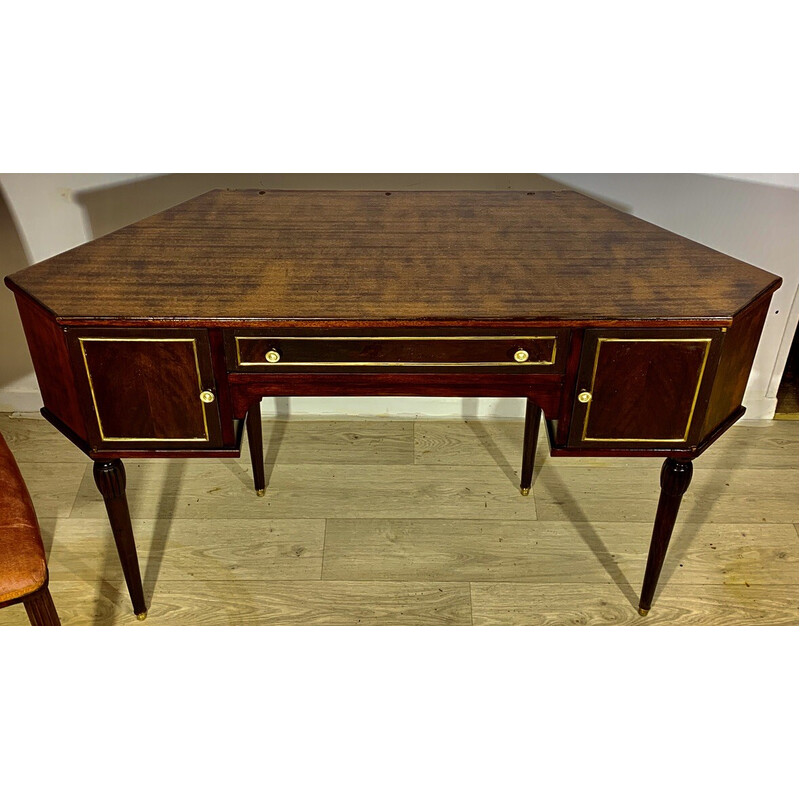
(584, 397)
(521, 356)
(207, 397)
(273, 356)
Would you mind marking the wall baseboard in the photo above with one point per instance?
(20, 402)
(760, 407)
(29, 402)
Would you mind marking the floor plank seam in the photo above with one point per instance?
(471, 610)
(324, 548)
(77, 492)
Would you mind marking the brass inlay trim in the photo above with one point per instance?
(105, 438)
(585, 438)
(283, 362)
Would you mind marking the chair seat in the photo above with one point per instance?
(23, 568)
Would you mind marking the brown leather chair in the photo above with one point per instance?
(23, 568)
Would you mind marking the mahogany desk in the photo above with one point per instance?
(160, 339)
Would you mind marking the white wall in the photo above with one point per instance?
(752, 216)
(788, 179)
(40, 218)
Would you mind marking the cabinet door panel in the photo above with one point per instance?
(643, 388)
(146, 387)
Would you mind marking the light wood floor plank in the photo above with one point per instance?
(470, 442)
(755, 444)
(105, 602)
(745, 495)
(179, 549)
(555, 552)
(222, 489)
(337, 442)
(53, 487)
(425, 525)
(36, 440)
(580, 604)
(14, 616)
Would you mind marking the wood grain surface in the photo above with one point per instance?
(385, 256)
(419, 523)
(641, 389)
(574, 604)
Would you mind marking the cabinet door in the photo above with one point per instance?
(147, 388)
(643, 388)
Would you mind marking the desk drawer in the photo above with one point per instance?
(529, 351)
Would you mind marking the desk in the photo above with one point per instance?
(159, 340)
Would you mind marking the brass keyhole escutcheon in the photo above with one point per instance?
(273, 356)
(584, 397)
(207, 397)
(521, 356)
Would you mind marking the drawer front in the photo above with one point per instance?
(531, 351)
(639, 389)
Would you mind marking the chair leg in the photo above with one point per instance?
(255, 440)
(41, 609)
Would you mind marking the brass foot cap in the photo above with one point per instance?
(525, 492)
(261, 492)
(643, 611)
(143, 615)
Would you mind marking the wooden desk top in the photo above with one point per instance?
(383, 257)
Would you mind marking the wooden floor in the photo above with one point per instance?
(419, 523)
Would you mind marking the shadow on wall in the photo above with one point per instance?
(109, 208)
(15, 362)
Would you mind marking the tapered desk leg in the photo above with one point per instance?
(41, 609)
(675, 479)
(255, 440)
(110, 479)
(532, 416)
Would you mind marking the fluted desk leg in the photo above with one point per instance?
(675, 479)
(110, 479)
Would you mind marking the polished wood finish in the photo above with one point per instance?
(47, 343)
(40, 608)
(371, 256)
(234, 451)
(396, 294)
(646, 387)
(533, 415)
(397, 351)
(653, 451)
(245, 389)
(255, 443)
(738, 351)
(567, 400)
(675, 479)
(143, 388)
(109, 476)
(227, 427)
